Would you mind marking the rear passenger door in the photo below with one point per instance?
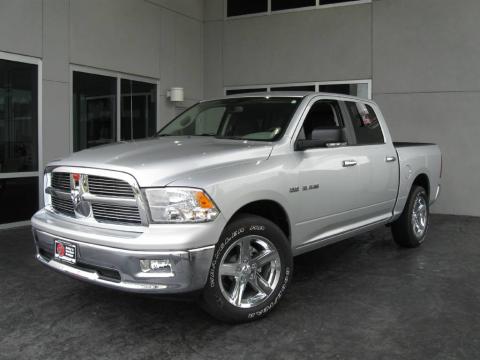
(377, 165)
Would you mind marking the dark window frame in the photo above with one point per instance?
(312, 86)
(119, 77)
(233, 92)
(137, 91)
(269, 8)
(263, 7)
(27, 180)
(282, 5)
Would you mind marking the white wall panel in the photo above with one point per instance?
(21, 27)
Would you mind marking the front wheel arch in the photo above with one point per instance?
(268, 209)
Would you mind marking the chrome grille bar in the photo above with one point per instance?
(61, 181)
(113, 197)
(116, 213)
(100, 185)
(64, 206)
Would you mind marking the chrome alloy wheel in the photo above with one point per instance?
(249, 271)
(419, 215)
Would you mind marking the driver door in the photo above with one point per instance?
(327, 182)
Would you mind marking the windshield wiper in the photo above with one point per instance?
(160, 135)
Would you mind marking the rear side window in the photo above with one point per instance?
(365, 124)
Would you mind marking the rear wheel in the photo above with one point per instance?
(251, 269)
(411, 227)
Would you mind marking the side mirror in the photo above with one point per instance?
(302, 145)
(322, 138)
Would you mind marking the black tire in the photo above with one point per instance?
(247, 226)
(403, 229)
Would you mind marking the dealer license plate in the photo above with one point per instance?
(65, 251)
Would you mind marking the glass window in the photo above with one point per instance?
(23, 193)
(94, 110)
(244, 7)
(323, 115)
(255, 118)
(293, 88)
(18, 117)
(326, 2)
(244, 91)
(139, 109)
(365, 123)
(360, 90)
(346, 89)
(291, 4)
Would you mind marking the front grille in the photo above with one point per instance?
(102, 186)
(61, 181)
(62, 205)
(99, 186)
(116, 213)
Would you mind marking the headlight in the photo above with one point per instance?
(180, 205)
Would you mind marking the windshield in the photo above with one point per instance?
(255, 118)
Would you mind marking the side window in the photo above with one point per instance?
(324, 117)
(365, 124)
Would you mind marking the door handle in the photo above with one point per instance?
(348, 163)
(335, 144)
(390, 159)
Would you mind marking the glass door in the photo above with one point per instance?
(18, 141)
(138, 109)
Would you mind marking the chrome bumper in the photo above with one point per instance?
(120, 269)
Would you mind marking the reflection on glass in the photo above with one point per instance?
(94, 110)
(18, 117)
(139, 109)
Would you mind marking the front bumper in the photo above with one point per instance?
(119, 268)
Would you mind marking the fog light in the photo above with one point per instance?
(160, 266)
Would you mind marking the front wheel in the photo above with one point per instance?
(411, 227)
(250, 271)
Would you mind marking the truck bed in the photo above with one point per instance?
(415, 159)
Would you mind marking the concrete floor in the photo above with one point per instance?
(363, 298)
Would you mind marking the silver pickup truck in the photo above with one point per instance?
(223, 197)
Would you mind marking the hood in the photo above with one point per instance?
(159, 161)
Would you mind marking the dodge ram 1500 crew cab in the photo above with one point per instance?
(223, 197)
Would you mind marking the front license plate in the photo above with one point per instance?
(65, 251)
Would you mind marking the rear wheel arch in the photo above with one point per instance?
(423, 181)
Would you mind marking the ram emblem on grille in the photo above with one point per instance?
(80, 207)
